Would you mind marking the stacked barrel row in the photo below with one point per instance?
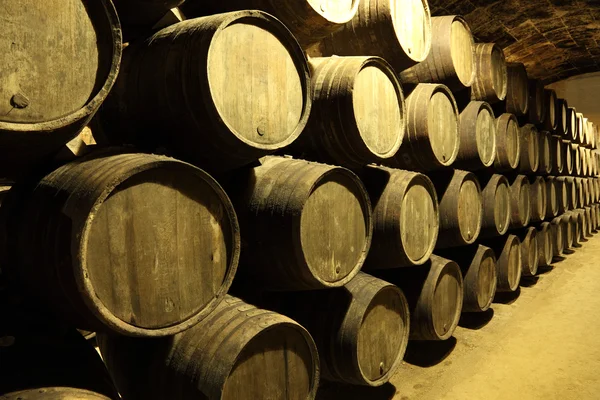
(318, 213)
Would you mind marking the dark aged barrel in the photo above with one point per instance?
(478, 266)
(530, 152)
(309, 20)
(558, 236)
(576, 157)
(578, 227)
(520, 206)
(432, 140)
(571, 133)
(405, 217)
(92, 269)
(496, 199)
(459, 194)
(361, 330)
(585, 133)
(60, 58)
(538, 198)
(546, 154)
(358, 113)
(187, 88)
(435, 297)
(490, 73)
(562, 123)
(569, 224)
(508, 265)
(571, 190)
(537, 109)
(587, 217)
(239, 353)
(305, 225)
(577, 191)
(508, 144)
(567, 158)
(552, 110)
(143, 13)
(41, 362)
(580, 129)
(517, 95)
(529, 251)
(450, 60)
(557, 154)
(477, 130)
(545, 244)
(397, 30)
(554, 197)
(583, 161)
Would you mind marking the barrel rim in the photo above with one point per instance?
(504, 90)
(471, 177)
(510, 241)
(86, 286)
(483, 252)
(428, 37)
(500, 180)
(519, 69)
(441, 88)
(437, 275)
(506, 119)
(338, 18)
(463, 22)
(550, 99)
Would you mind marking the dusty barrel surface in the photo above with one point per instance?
(478, 266)
(557, 154)
(571, 132)
(496, 202)
(51, 88)
(305, 225)
(399, 31)
(570, 189)
(509, 263)
(450, 60)
(477, 130)
(520, 205)
(537, 104)
(358, 112)
(490, 82)
(558, 236)
(405, 217)
(529, 251)
(224, 356)
(569, 224)
(508, 143)
(551, 105)
(361, 330)
(555, 195)
(580, 138)
(459, 195)
(530, 149)
(562, 123)
(432, 139)
(435, 297)
(309, 20)
(545, 244)
(546, 154)
(186, 88)
(538, 198)
(576, 158)
(567, 158)
(93, 269)
(517, 95)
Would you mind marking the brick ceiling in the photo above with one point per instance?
(555, 39)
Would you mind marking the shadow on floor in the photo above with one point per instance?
(507, 297)
(476, 321)
(330, 391)
(568, 252)
(545, 269)
(529, 281)
(428, 353)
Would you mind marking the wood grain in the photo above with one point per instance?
(477, 130)
(538, 198)
(508, 144)
(553, 111)
(537, 104)
(509, 262)
(530, 152)
(520, 204)
(545, 243)
(496, 203)
(529, 251)
(517, 95)
(490, 82)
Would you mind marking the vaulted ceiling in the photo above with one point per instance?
(555, 39)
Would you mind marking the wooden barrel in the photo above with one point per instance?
(578, 184)
(490, 82)
(558, 233)
(517, 95)
(477, 130)
(529, 251)
(545, 243)
(569, 229)
(585, 191)
(520, 206)
(578, 227)
(435, 297)
(43, 362)
(562, 116)
(60, 59)
(553, 197)
(508, 266)
(305, 225)
(539, 198)
(405, 217)
(576, 157)
(580, 129)
(572, 197)
(557, 153)
(361, 330)
(450, 60)
(432, 139)
(309, 21)
(586, 142)
(586, 214)
(583, 160)
(562, 194)
(143, 13)
(358, 112)
(496, 201)
(399, 31)
(571, 133)
(508, 145)
(94, 270)
(530, 149)
(546, 154)
(186, 88)
(478, 266)
(537, 106)
(460, 198)
(225, 356)
(594, 217)
(552, 110)
(567, 158)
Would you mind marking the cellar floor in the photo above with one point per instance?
(542, 343)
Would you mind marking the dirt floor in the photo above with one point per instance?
(541, 343)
